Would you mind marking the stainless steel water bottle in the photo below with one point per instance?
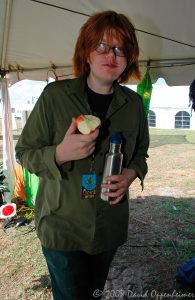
(113, 161)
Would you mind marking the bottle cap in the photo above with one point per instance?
(116, 138)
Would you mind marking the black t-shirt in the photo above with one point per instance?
(99, 103)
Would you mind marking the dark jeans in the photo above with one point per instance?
(76, 275)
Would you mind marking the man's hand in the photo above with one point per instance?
(119, 184)
(75, 146)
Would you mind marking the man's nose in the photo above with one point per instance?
(111, 53)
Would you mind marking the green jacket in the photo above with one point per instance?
(63, 220)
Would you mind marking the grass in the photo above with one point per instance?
(180, 240)
(176, 209)
(161, 137)
(23, 266)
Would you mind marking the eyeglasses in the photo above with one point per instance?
(103, 48)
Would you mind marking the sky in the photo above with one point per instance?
(24, 93)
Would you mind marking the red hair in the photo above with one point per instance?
(91, 33)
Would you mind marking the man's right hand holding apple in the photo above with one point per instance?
(75, 146)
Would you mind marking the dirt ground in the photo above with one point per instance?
(161, 229)
(160, 238)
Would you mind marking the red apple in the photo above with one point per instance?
(87, 123)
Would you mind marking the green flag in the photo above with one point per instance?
(144, 89)
(31, 182)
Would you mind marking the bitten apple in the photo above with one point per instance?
(87, 123)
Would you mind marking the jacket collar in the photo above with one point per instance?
(77, 86)
(120, 98)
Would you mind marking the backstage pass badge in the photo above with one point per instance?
(88, 186)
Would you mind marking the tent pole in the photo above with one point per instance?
(8, 145)
(6, 32)
(8, 149)
(171, 62)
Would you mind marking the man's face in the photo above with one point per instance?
(106, 62)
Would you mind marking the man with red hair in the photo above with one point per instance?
(79, 237)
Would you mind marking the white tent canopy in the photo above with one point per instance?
(36, 36)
